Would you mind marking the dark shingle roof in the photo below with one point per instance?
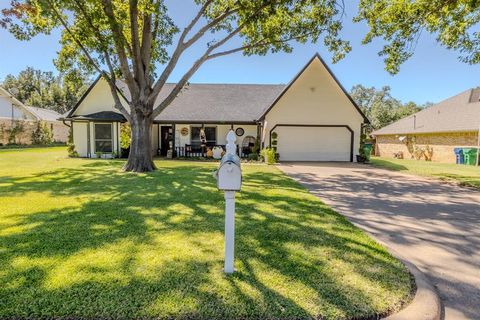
(216, 102)
(103, 115)
(458, 113)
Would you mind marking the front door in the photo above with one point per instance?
(165, 139)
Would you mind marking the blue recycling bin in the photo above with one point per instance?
(459, 155)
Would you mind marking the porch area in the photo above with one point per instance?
(202, 140)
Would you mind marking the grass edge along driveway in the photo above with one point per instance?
(81, 239)
(463, 175)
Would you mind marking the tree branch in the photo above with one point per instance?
(208, 56)
(259, 43)
(110, 78)
(77, 41)
(134, 33)
(177, 53)
(120, 45)
(179, 86)
(146, 47)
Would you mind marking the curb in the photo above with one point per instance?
(425, 305)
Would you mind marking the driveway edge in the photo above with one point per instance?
(426, 304)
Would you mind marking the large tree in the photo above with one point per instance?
(45, 90)
(400, 23)
(138, 42)
(381, 107)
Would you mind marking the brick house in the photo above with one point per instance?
(442, 127)
(14, 113)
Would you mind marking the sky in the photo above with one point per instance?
(431, 75)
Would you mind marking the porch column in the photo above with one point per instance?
(89, 145)
(174, 155)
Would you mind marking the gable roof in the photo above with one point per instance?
(457, 113)
(16, 102)
(316, 56)
(37, 113)
(79, 102)
(222, 103)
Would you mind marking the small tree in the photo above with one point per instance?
(70, 145)
(42, 135)
(15, 131)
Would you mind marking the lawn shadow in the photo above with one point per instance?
(151, 245)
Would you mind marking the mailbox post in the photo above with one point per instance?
(229, 179)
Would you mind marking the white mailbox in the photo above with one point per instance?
(229, 174)
(229, 179)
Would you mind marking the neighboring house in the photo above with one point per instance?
(313, 116)
(444, 126)
(14, 113)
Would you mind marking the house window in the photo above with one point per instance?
(103, 137)
(210, 135)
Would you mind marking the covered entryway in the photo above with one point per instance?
(314, 142)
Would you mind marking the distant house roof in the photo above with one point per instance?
(44, 114)
(37, 113)
(215, 102)
(15, 101)
(456, 114)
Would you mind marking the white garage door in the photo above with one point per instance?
(313, 143)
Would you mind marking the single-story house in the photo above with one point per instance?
(14, 113)
(313, 117)
(442, 127)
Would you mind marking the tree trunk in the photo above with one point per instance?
(140, 158)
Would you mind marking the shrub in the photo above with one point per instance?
(268, 155)
(125, 135)
(16, 129)
(70, 146)
(253, 157)
(42, 134)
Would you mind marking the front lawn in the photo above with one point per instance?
(462, 174)
(81, 239)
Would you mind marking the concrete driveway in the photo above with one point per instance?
(432, 224)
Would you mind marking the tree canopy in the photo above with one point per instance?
(400, 23)
(46, 90)
(134, 39)
(139, 42)
(381, 107)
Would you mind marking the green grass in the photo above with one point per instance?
(81, 239)
(464, 175)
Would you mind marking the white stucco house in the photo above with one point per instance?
(14, 112)
(313, 116)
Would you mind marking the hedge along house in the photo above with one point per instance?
(21, 118)
(314, 118)
(442, 127)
